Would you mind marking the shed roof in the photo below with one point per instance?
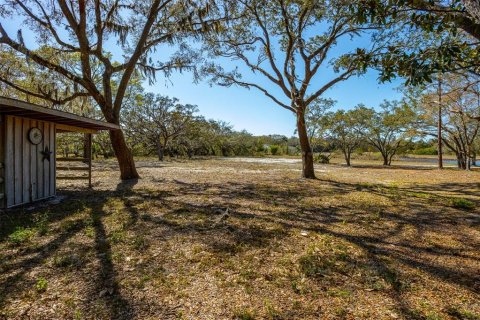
(70, 121)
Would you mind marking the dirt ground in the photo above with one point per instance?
(248, 239)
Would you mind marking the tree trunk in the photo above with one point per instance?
(86, 147)
(124, 156)
(347, 155)
(307, 154)
(160, 151)
(461, 161)
(468, 158)
(385, 159)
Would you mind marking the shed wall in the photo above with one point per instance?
(2, 162)
(28, 175)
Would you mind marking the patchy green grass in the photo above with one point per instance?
(41, 285)
(461, 203)
(21, 235)
(244, 314)
(458, 312)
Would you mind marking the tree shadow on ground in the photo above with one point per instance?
(421, 216)
(400, 166)
(391, 167)
(102, 288)
(245, 227)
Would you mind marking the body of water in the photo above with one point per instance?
(432, 160)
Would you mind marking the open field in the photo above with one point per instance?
(248, 239)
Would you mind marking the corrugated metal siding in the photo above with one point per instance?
(27, 176)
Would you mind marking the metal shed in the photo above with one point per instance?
(28, 149)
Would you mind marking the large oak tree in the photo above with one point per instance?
(158, 121)
(92, 30)
(287, 45)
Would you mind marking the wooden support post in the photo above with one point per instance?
(88, 156)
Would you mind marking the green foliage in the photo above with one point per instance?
(461, 203)
(77, 315)
(158, 121)
(21, 235)
(430, 151)
(427, 37)
(339, 293)
(41, 285)
(155, 122)
(342, 129)
(322, 158)
(390, 129)
(315, 119)
(274, 150)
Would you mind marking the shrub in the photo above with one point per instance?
(274, 149)
(322, 158)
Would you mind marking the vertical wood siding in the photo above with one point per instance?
(27, 176)
(2, 162)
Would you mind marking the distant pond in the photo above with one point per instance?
(432, 160)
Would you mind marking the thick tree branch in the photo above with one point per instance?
(344, 76)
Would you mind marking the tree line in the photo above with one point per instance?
(160, 125)
(402, 126)
(95, 50)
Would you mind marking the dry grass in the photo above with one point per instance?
(358, 243)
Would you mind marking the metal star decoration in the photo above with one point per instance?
(46, 154)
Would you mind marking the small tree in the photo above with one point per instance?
(461, 99)
(346, 129)
(388, 130)
(316, 112)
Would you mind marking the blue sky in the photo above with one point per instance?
(258, 114)
(251, 109)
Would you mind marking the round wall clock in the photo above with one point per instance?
(35, 135)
